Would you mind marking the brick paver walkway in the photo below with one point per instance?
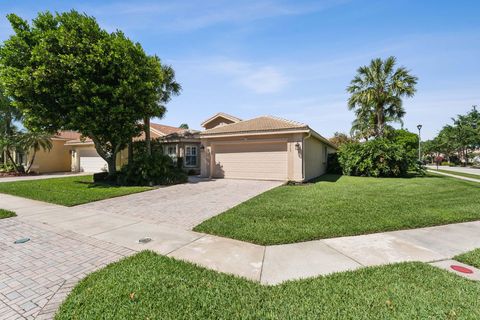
(37, 275)
(184, 205)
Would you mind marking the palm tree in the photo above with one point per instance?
(377, 91)
(36, 141)
(169, 88)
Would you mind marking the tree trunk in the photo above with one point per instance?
(31, 162)
(109, 157)
(380, 121)
(130, 151)
(9, 156)
(112, 166)
(148, 143)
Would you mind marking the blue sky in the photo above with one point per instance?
(294, 59)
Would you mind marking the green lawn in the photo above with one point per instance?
(6, 214)
(149, 286)
(342, 206)
(66, 191)
(472, 258)
(462, 174)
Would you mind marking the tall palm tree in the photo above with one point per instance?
(36, 141)
(377, 91)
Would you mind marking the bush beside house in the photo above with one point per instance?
(145, 169)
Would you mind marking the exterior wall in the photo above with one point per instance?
(315, 158)
(217, 122)
(316, 153)
(56, 160)
(294, 151)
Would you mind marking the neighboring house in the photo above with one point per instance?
(178, 144)
(267, 148)
(55, 160)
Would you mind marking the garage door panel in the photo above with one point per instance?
(252, 161)
(92, 164)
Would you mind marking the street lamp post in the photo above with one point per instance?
(419, 127)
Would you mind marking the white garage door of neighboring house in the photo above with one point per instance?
(92, 163)
(266, 161)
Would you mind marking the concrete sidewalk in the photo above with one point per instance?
(456, 169)
(453, 175)
(266, 264)
(270, 264)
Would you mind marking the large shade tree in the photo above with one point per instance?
(376, 94)
(8, 131)
(64, 72)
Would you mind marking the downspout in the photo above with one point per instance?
(303, 154)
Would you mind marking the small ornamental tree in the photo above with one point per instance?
(66, 73)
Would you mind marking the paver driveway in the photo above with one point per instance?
(185, 205)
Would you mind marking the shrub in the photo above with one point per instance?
(375, 158)
(6, 168)
(333, 166)
(100, 177)
(145, 170)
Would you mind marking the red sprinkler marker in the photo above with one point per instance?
(461, 269)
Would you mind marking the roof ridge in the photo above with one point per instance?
(297, 123)
(164, 125)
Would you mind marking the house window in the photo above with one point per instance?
(171, 151)
(20, 158)
(326, 153)
(191, 156)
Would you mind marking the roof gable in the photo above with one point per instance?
(219, 116)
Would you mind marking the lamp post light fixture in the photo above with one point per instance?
(419, 127)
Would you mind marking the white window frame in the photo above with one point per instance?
(189, 154)
(172, 156)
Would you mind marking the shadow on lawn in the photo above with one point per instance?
(97, 185)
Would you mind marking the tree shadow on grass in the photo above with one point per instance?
(97, 185)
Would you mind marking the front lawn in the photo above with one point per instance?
(471, 258)
(342, 206)
(68, 191)
(149, 286)
(6, 214)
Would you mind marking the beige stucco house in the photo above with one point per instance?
(266, 148)
(55, 160)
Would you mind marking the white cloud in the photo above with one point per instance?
(257, 78)
(192, 15)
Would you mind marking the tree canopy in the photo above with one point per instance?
(458, 139)
(376, 94)
(64, 72)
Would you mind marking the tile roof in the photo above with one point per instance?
(223, 115)
(156, 131)
(260, 124)
(68, 135)
(165, 130)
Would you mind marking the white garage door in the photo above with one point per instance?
(89, 163)
(266, 161)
